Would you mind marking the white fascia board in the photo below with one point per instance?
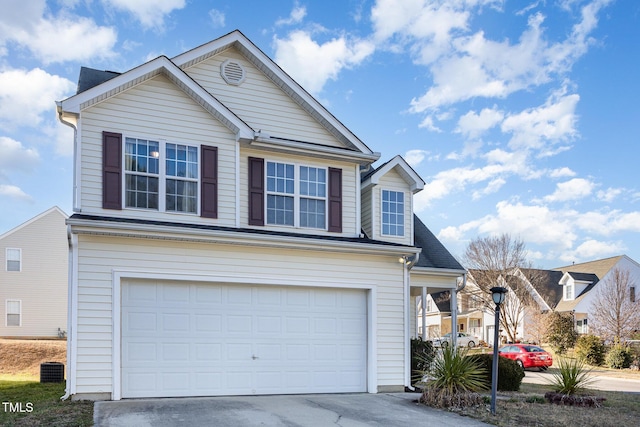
(446, 272)
(161, 65)
(280, 78)
(411, 177)
(299, 147)
(151, 231)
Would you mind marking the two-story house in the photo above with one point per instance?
(34, 277)
(230, 236)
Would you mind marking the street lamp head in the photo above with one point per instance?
(498, 293)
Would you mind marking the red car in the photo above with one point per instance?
(527, 355)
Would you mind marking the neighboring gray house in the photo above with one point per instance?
(230, 237)
(33, 277)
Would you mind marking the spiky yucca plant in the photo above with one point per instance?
(454, 380)
(572, 377)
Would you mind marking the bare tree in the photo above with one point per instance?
(502, 261)
(615, 312)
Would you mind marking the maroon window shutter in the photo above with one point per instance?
(335, 200)
(209, 182)
(256, 191)
(111, 170)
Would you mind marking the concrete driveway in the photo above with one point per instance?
(346, 410)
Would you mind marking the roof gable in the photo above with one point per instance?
(270, 69)
(159, 66)
(49, 211)
(546, 283)
(400, 165)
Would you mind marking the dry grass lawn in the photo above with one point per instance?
(22, 358)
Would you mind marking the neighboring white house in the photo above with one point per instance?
(33, 277)
(231, 237)
(580, 284)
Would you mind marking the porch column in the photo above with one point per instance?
(424, 313)
(454, 317)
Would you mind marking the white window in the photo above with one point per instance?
(392, 213)
(568, 291)
(14, 316)
(296, 195)
(161, 176)
(14, 259)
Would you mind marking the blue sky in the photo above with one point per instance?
(522, 117)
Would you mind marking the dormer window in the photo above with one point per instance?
(568, 291)
(392, 213)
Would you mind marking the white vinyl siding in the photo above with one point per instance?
(259, 102)
(350, 185)
(42, 283)
(99, 256)
(366, 212)
(156, 110)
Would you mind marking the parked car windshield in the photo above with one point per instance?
(533, 349)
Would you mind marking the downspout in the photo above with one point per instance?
(454, 310)
(71, 310)
(75, 153)
(407, 265)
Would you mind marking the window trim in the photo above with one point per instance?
(404, 214)
(296, 195)
(6, 311)
(162, 175)
(569, 289)
(6, 260)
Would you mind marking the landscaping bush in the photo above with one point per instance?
(561, 333)
(422, 354)
(510, 375)
(591, 349)
(619, 357)
(572, 377)
(454, 380)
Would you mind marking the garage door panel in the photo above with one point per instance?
(232, 339)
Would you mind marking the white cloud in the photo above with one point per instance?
(472, 65)
(150, 13)
(573, 189)
(26, 95)
(14, 156)
(54, 39)
(493, 187)
(549, 123)
(415, 157)
(14, 192)
(562, 173)
(609, 194)
(472, 124)
(312, 64)
(217, 18)
(296, 16)
(593, 249)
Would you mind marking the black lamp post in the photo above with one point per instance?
(498, 294)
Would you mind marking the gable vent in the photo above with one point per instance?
(232, 72)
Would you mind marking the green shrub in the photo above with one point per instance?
(454, 380)
(561, 333)
(619, 357)
(422, 354)
(572, 377)
(509, 373)
(591, 349)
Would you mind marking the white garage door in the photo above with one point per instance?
(196, 339)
